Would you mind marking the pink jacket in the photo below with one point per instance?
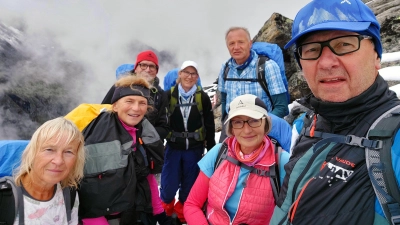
(256, 203)
(257, 200)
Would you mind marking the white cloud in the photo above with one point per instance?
(100, 33)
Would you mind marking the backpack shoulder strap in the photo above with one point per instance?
(198, 134)
(172, 102)
(261, 74)
(379, 163)
(69, 199)
(275, 181)
(222, 151)
(13, 197)
(273, 172)
(226, 70)
(198, 100)
(73, 196)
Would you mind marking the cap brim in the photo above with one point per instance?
(346, 26)
(245, 112)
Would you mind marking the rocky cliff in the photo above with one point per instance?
(37, 80)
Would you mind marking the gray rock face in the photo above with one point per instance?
(37, 83)
(384, 9)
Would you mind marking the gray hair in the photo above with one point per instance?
(238, 28)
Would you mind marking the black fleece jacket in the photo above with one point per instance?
(194, 122)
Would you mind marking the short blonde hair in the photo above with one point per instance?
(127, 81)
(238, 28)
(55, 128)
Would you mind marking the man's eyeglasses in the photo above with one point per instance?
(237, 124)
(339, 46)
(144, 66)
(189, 74)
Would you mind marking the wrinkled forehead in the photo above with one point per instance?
(323, 35)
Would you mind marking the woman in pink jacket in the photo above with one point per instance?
(239, 188)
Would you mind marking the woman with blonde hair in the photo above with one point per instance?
(52, 161)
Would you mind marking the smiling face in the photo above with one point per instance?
(149, 72)
(188, 77)
(54, 161)
(239, 45)
(131, 109)
(249, 138)
(335, 78)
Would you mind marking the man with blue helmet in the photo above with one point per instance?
(328, 178)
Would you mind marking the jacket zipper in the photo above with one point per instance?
(299, 179)
(309, 164)
(241, 195)
(293, 207)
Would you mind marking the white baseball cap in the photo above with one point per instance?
(189, 63)
(248, 105)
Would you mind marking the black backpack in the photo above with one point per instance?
(377, 144)
(260, 75)
(12, 202)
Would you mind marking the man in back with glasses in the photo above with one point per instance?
(146, 66)
(330, 178)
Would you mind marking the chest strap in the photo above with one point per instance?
(342, 139)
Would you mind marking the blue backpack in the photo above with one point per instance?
(265, 52)
(123, 69)
(10, 155)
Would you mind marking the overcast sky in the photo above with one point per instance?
(104, 34)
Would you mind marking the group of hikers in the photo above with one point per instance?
(342, 168)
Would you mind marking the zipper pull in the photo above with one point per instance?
(313, 126)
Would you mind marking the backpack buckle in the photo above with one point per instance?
(354, 140)
(395, 219)
(378, 144)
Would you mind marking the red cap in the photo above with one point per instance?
(147, 55)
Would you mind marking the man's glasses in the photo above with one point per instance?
(339, 46)
(237, 124)
(144, 66)
(189, 74)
